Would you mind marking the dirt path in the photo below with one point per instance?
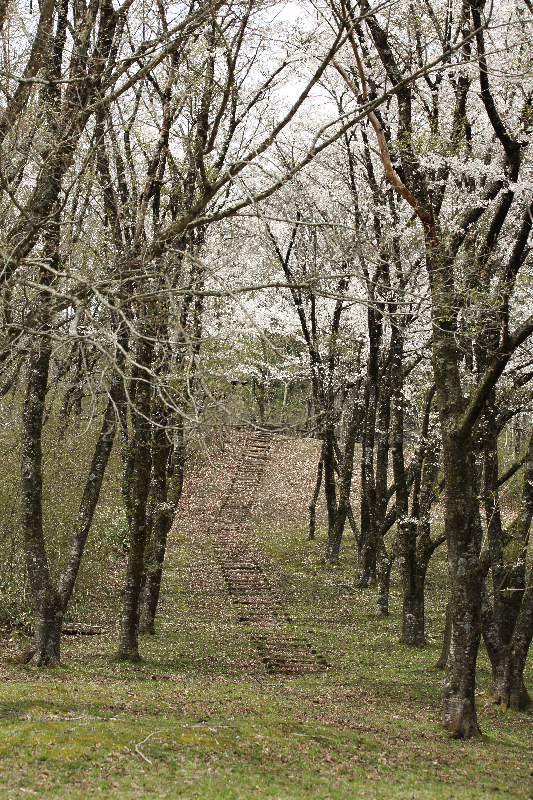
(254, 599)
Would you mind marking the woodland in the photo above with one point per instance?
(237, 224)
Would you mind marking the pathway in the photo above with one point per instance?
(255, 601)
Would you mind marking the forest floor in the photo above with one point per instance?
(201, 717)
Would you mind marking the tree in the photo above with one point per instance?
(445, 255)
(73, 71)
(78, 230)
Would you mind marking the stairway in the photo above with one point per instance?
(256, 603)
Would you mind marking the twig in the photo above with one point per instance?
(143, 741)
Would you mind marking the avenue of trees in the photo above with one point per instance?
(310, 216)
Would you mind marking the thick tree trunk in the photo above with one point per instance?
(508, 687)
(459, 707)
(508, 660)
(46, 643)
(462, 524)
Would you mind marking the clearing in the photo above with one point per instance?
(269, 676)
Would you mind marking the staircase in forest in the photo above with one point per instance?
(255, 601)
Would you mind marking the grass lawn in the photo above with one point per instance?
(199, 717)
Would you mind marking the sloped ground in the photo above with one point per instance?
(202, 717)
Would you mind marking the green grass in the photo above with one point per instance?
(211, 723)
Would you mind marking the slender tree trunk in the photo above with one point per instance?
(508, 647)
(384, 559)
(166, 504)
(334, 543)
(330, 488)
(45, 647)
(314, 499)
(413, 612)
(446, 638)
(505, 576)
(91, 494)
(413, 617)
(384, 565)
(367, 550)
(51, 602)
(140, 483)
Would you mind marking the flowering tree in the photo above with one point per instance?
(464, 254)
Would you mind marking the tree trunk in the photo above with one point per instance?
(413, 593)
(314, 499)
(91, 494)
(46, 643)
(413, 623)
(459, 706)
(446, 638)
(384, 560)
(508, 660)
(334, 543)
(166, 504)
(45, 647)
(384, 564)
(508, 628)
(505, 576)
(367, 550)
(330, 491)
(413, 619)
(508, 687)
(462, 524)
(140, 482)
(154, 571)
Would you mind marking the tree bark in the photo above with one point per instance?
(367, 550)
(91, 494)
(446, 638)
(45, 647)
(334, 542)
(314, 499)
(166, 504)
(140, 482)
(384, 565)
(508, 635)
(330, 488)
